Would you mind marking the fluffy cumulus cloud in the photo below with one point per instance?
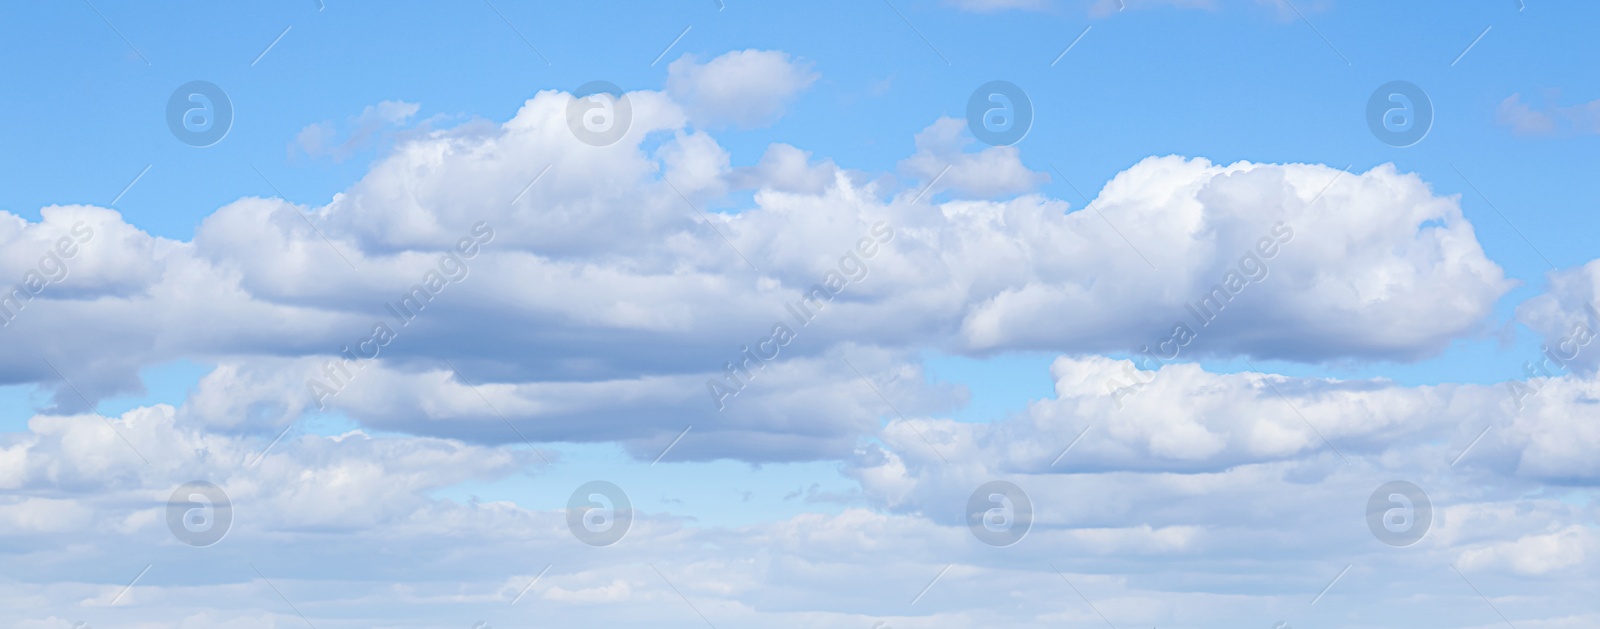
(1180, 418)
(941, 160)
(746, 88)
(593, 270)
(495, 286)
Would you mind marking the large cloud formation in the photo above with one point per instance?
(604, 288)
(606, 271)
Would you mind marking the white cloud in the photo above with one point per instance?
(604, 277)
(784, 168)
(605, 302)
(1536, 555)
(992, 172)
(1128, 502)
(747, 88)
(1189, 420)
(1145, 547)
(1567, 315)
(626, 276)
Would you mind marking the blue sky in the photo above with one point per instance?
(365, 140)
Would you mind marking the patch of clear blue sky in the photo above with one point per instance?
(167, 383)
(84, 113)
